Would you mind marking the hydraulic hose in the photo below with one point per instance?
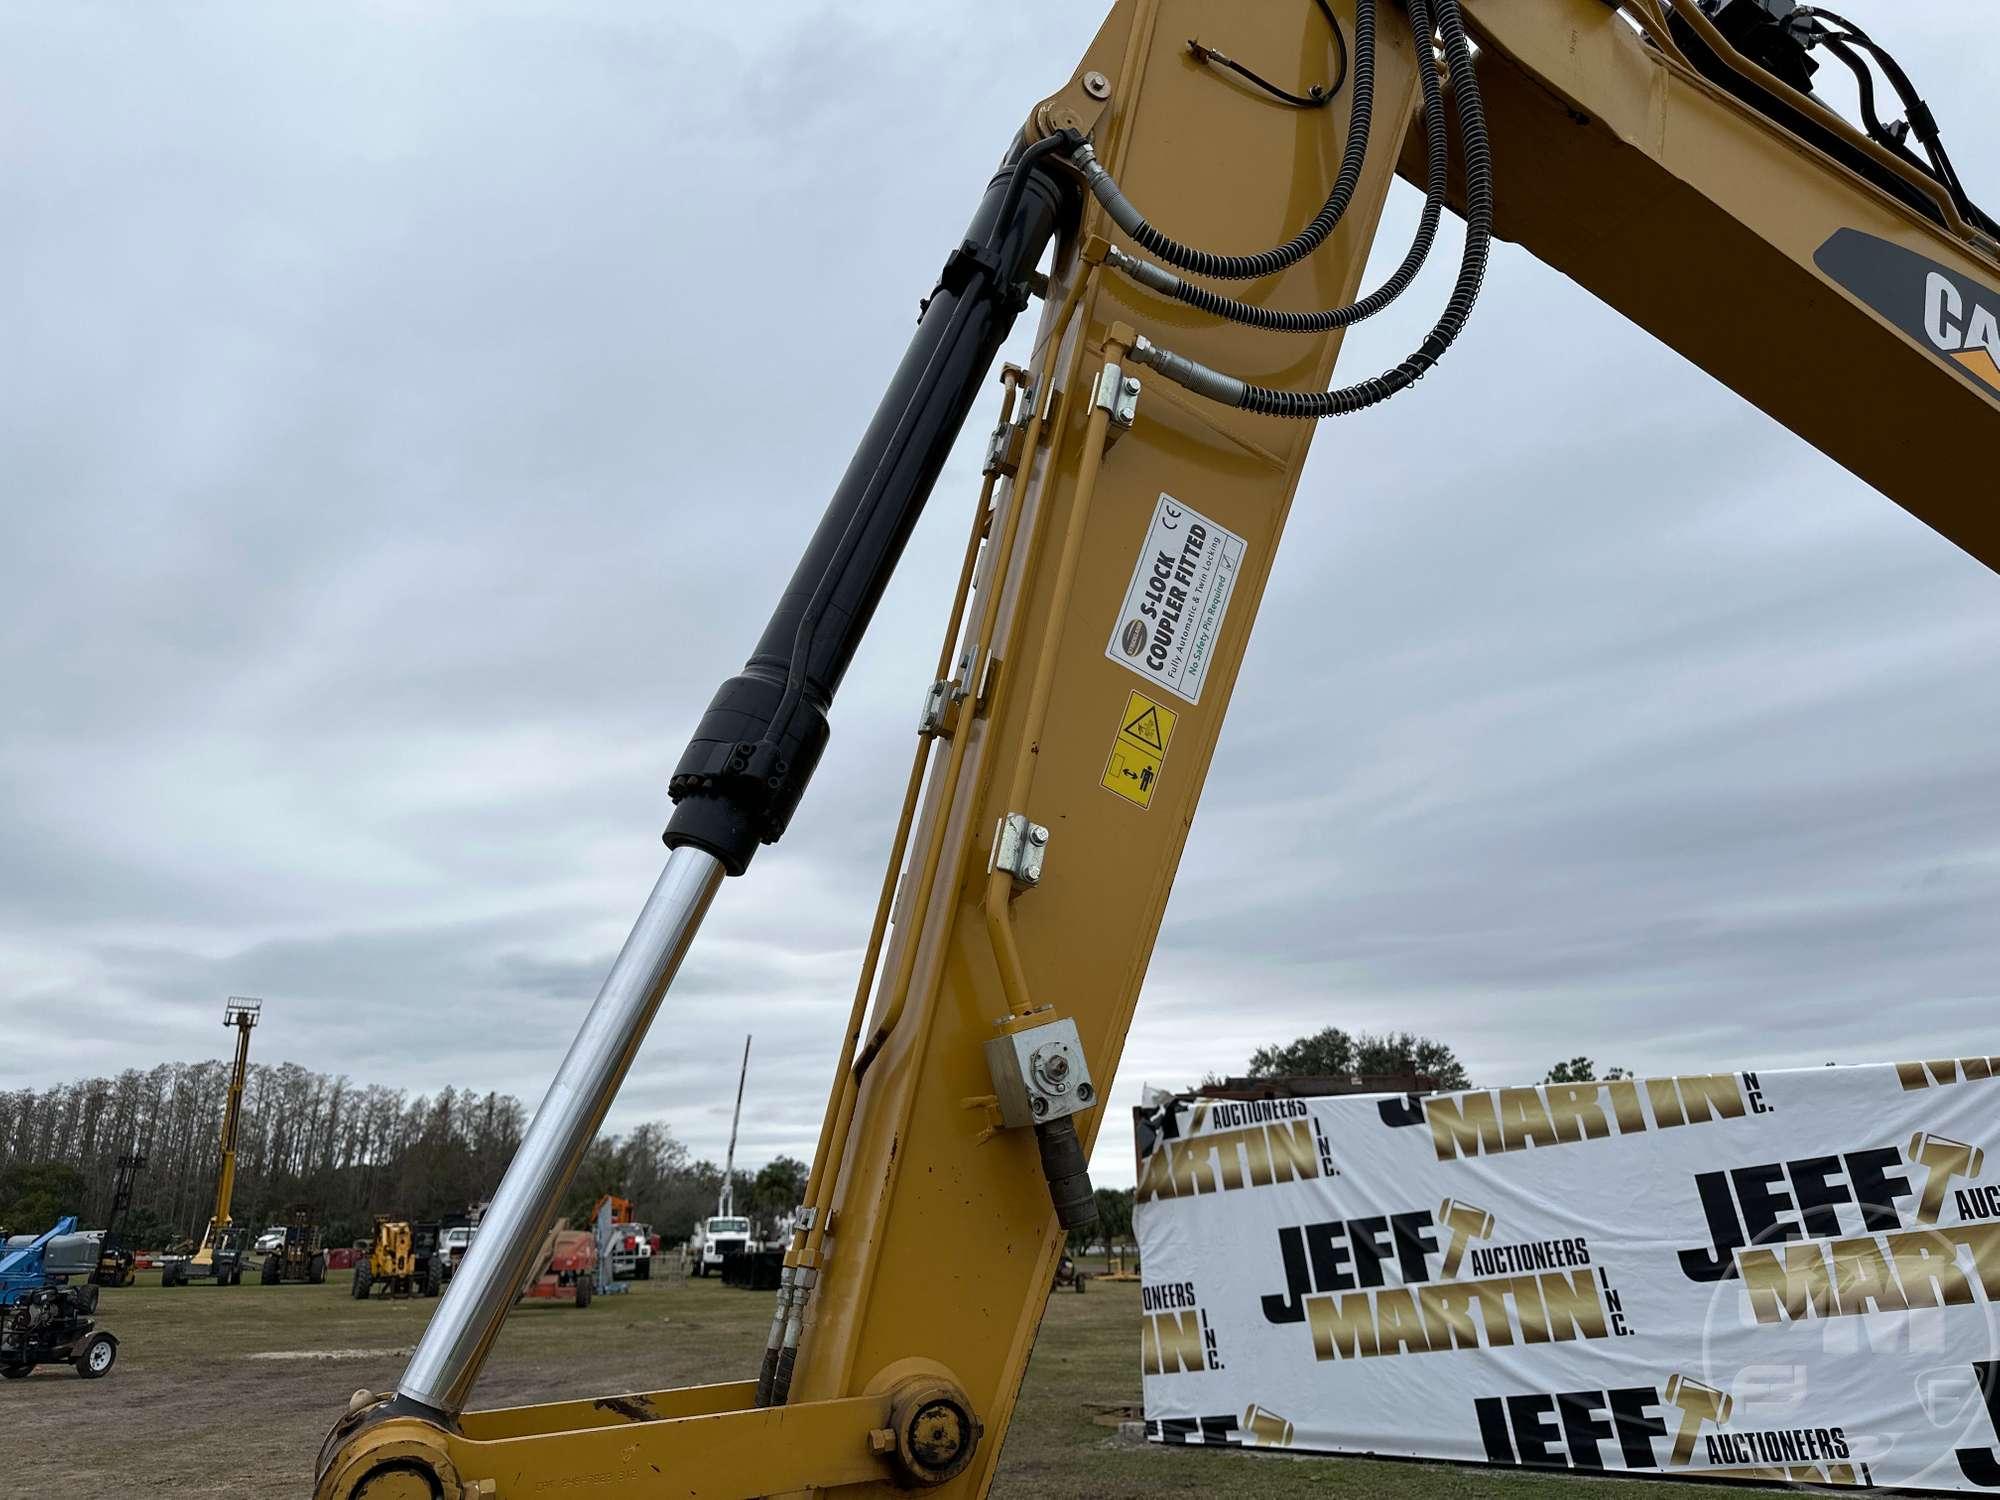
(1361, 109)
(1233, 391)
(1322, 320)
(1922, 123)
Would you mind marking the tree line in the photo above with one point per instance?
(347, 1152)
(1334, 1053)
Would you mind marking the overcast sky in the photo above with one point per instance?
(390, 396)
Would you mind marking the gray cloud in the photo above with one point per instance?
(396, 403)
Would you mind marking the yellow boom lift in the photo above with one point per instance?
(224, 1244)
(1669, 155)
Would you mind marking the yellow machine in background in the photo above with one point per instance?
(299, 1255)
(402, 1258)
(224, 1244)
(1666, 154)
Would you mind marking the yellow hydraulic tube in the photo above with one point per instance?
(833, 1141)
(898, 990)
(818, 1184)
(912, 791)
(1000, 884)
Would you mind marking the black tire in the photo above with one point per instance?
(273, 1273)
(645, 1268)
(433, 1280)
(583, 1289)
(1082, 1281)
(95, 1359)
(361, 1280)
(16, 1372)
(316, 1271)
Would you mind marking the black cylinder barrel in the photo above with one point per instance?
(742, 775)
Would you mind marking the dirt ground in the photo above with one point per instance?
(227, 1391)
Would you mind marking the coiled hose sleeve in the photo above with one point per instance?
(1361, 109)
(1465, 291)
(1320, 320)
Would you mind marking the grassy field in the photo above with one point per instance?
(228, 1392)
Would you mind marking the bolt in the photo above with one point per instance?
(1085, 1093)
(1038, 1104)
(1131, 385)
(1038, 835)
(1096, 85)
(882, 1440)
(1057, 1067)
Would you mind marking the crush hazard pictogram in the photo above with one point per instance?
(1139, 749)
(1146, 727)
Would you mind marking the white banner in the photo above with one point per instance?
(1785, 1275)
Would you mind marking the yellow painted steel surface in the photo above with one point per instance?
(943, 1242)
(1700, 220)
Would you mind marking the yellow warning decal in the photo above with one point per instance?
(1145, 730)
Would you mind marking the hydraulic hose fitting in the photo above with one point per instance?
(1041, 1078)
(1192, 374)
(1157, 278)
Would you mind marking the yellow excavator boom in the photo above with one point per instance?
(1134, 498)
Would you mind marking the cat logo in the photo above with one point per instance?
(1968, 333)
(1951, 315)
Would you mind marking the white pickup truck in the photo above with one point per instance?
(713, 1237)
(632, 1251)
(453, 1242)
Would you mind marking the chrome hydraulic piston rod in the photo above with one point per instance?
(743, 773)
(449, 1356)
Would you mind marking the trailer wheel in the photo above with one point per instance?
(361, 1279)
(316, 1272)
(582, 1292)
(645, 1268)
(272, 1273)
(96, 1358)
